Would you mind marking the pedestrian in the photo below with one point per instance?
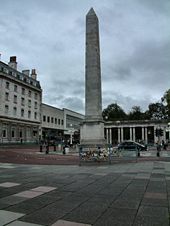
(47, 148)
(64, 149)
(158, 149)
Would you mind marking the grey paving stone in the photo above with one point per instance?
(87, 212)
(126, 204)
(155, 202)
(68, 223)
(52, 212)
(160, 212)
(7, 217)
(8, 184)
(116, 217)
(150, 221)
(11, 200)
(31, 205)
(21, 223)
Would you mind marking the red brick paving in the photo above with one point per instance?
(31, 155)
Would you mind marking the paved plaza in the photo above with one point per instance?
(71, 195)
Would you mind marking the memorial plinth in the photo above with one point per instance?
(92, 128)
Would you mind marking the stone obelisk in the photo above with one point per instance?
(92, 129)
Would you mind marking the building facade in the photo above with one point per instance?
(24, 118)
(61, 125)
(20, 104)
(140, 131)
(52, 122)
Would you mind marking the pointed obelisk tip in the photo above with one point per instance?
(91, 12)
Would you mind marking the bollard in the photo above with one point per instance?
(47, 149)
(41, 147)
(54, 147)
(158, 150)
(138, 153)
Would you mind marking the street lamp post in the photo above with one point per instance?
(71, 135)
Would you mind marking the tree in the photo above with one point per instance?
(156, 111)
(166, 101)
(114, 112)
(136, 113)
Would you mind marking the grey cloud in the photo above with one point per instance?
(50, 36)
(156, 5)
(74, 103)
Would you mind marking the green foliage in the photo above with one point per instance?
(113, 113)
(166, 101)
(136, 113)
(156, 111)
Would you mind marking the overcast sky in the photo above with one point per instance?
(49, 35)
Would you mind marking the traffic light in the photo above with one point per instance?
(161, 132)
(157, 132)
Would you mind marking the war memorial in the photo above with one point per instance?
(40, 194)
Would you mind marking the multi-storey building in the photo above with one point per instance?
(60, 124)
(23, 117)
(20, 103)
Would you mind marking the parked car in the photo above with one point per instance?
(131, 145)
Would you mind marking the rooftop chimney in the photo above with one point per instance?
(26, 72)
(13, 62)
(33, 74)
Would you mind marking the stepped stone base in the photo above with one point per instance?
(92, 134)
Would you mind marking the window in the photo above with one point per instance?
(35, 105)
(35, 115)
(29, 103)
(10, 72)
(7, 96)
(6, 109)
(7, 85)
(4, 133)
(29, 93)
(48, 119)
(15, 88)
(29, 114)
(13, 132)
(55, 120)
(14, 111)
(22, 112)
(23, 91)
(58, 121)
(15, 99)
(62, 122)
(36, 96)
(44, 118)
(22, 101)
(20, 133)
(52, 119)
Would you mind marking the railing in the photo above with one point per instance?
(106, 154)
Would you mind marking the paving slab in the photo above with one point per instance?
(8, 184)
(7, 217)
(21, 223)
(121, 194)
(29, 194)
(43, 189)
(68, 223)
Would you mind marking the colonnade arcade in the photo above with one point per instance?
(120, 131)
